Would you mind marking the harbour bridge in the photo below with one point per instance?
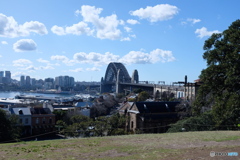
(118, 80)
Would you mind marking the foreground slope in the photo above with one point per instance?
(169, 146)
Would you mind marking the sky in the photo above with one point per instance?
(162, 39)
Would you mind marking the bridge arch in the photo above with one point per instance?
(112, 70)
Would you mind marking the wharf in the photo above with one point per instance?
(36, 97)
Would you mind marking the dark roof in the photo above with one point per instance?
(160, 116)
(40, 111)
(156, 107)
(20, 111)
(84, 104)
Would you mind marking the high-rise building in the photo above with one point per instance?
(64, 81)
(1, 76)
(49, 83)
(28, 79)
(49, 80)
(8, 77)
(33, 81)
(71, 82)
(22, 80)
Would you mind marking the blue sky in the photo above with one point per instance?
(162, 39)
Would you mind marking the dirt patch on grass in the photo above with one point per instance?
(202, 144)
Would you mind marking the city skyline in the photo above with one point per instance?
(162, 40)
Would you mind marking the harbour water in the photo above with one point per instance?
(13, 94)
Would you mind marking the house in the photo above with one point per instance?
(84, 104)
(43, 120)
(122, 110)
(25, 119)
(150, 117)
(59, 106)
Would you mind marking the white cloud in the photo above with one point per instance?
(193, 20)
(139, 57)
(77, 12)
(202, 32)
(58, 30)
(63, 59)
(190, 20)
(95, 58)
(46, 67)
(21, 62)
(133, 35)
(31, 68)
(106, 27)
(93, 69)
(24, 45)
(128, 29)
(133, 57)
(10, 28)
(102, 27)
(76, 29)
(16, 75)
(132, 21)
(4, 42)
(79, 29)
(59, 58)
(42, 60)
(76, 70)
(159, 12)
(159, 55)
(126, 39)
(35, 26)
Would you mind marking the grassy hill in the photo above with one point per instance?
(169, 146)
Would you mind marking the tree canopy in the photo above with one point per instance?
(220, 90)
(143, 96)
(10, 129)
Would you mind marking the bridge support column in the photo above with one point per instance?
(118, 89)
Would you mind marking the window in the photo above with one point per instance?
(50, 120)
(37, 120)
(20, 120)
(43, 121)
(26, 121)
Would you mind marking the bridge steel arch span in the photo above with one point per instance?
(112, 71)
(112, 77)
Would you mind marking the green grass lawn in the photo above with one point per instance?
(184, 145)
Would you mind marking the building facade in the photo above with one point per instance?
(149, 117)
(43, 120)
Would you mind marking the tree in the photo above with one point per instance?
(203, 122)
(221, 79)
(79, 126)
(101, 126)
(138, 90)
(60, 115)
(10, 129)
(143, 96)
(117, 124)
(5, 126)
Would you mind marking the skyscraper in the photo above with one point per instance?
(28, 79)
(1, 76)
(22, 80)
(8, 77)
